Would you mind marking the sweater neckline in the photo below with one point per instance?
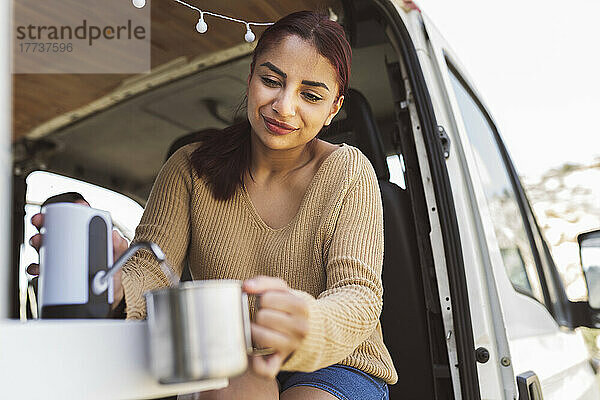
(315, 178)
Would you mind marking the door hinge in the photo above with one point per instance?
(444, 140)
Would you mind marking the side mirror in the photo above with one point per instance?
(589, 252)
(587, 313)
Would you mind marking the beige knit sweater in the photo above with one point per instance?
(331, 253)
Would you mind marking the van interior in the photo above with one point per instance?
(115, 132)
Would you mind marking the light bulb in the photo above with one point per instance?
(201, 26)
(249, 36)
(139, 3)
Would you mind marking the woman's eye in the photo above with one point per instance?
(311, 97)
(269, 82)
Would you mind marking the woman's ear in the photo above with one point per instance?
(335, 108)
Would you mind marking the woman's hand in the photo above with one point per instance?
(119, 246)
(36, 241)
(280, 323)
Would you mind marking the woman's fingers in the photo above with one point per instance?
(119, 244)
(38, 220)
(33, 269)
(268, 338)
(261, 284)
(36, 241)
(284, 301)
(282, 322)
(267, 366)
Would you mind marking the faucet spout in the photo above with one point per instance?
(102, 278)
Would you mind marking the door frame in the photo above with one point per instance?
(441, 217)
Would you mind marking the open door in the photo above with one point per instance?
(519, 311)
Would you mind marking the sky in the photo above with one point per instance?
(536, 65)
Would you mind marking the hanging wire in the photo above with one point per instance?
(202, 27)
(241, 21)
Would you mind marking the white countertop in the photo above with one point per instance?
(81, 359)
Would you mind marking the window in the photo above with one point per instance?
(509, 225)
(125, 213)
(397, 170)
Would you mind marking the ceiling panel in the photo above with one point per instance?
(38, 98)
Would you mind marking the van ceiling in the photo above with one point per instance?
(122, 147)
(37, 98)
(125, 145)
(129, 141)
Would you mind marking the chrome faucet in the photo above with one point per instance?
(102, 278)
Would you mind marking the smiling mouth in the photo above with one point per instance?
(279, 128)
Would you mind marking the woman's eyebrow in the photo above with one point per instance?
(274, 69)
(313, 83)
(284, 75)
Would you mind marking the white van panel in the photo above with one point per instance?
(523, 316)
(560, 361)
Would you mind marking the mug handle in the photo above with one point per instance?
(248, 333)
(246, 323)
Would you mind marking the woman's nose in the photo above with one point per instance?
(284, 105)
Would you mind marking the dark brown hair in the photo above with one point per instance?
(223, 157)
(68, 197)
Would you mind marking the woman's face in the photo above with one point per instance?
(292, 93)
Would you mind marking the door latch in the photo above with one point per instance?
(529, 386)
(444, 140)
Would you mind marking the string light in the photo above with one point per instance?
(249, 36)
(202, 26)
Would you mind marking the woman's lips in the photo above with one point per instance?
(279, 128)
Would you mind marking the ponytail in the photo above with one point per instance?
(223, 158)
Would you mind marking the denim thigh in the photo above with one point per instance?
(342, 381)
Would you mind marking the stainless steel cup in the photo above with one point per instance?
(198, 330)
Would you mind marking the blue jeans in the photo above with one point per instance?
(345, 383)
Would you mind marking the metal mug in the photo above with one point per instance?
(198, 330)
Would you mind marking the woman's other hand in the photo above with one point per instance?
(280, 323)
(36, 241)
(120, 245)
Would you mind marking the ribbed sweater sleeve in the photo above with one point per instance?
(166, 222)
(347, 312)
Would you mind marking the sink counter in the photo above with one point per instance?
(81, 359)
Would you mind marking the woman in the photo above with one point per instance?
(299, 220)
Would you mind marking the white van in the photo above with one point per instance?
(474, 307)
